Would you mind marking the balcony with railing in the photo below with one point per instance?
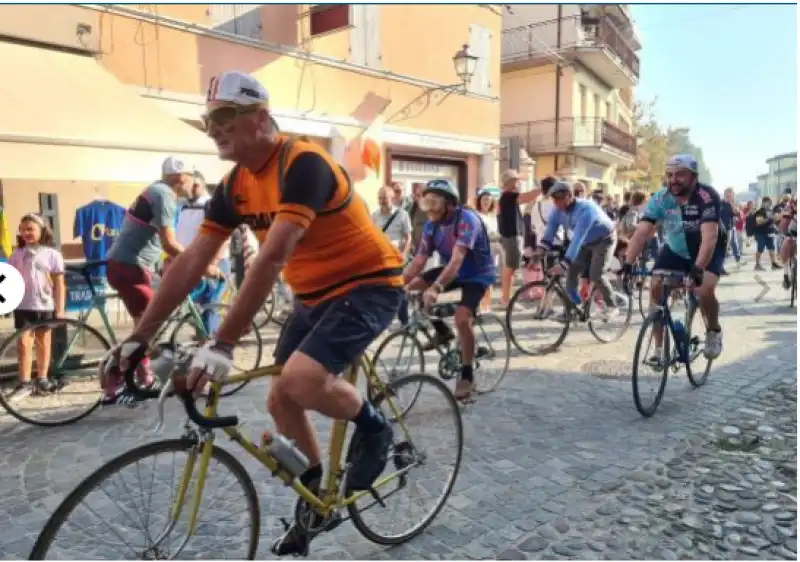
(593, 137)
(595, 42)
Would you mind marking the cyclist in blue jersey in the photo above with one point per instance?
(694, 242)
(458, 235)
(593, 241)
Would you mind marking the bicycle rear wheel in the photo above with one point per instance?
(793, 290)
(266, 312)
(249, 350)
(492, 352)
(64, 538)
(76, 351)
(537, 311)
(607, 330)
(432, 429)
(658, 362)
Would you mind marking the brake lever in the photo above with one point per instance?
(162, 398)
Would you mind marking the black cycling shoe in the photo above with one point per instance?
(297, 539)
(370, 453)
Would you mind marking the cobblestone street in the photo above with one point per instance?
(557, 462)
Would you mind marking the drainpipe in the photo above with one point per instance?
(558, 82)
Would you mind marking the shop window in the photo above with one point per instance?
(48, 210)
(326, 18)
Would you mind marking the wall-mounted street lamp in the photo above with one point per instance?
(465, 64)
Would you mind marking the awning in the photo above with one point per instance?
(64, 117)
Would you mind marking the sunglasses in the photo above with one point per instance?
(224, 116)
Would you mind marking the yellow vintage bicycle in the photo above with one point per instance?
(176, 526)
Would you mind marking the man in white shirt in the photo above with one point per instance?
(396, 224)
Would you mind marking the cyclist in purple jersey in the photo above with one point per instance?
(458, 235)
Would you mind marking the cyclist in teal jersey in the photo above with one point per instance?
(694, 241)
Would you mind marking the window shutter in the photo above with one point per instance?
(358, 34)
(48, 209)
(372, 34)
(480, 43)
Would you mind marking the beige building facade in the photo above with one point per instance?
(567, 79)
(104, 93)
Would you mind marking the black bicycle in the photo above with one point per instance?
(793, 281)
(544, 308)
(402, 352)
(688, 346)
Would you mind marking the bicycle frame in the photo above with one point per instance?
(690, 300)
(330, 501)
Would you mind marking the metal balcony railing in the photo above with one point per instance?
(541, 39)
(568, 133)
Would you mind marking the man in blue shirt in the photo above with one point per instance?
(694, 242)
(593, 241)
(458, 235)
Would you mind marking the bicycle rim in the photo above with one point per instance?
(76, 352)
(696, 347)
(47, 543)
(491, 341)
(524, 319)
(390, 365)
(642, 292)
(640, 355)
(793, 293)
(266, 312)
(435, 402)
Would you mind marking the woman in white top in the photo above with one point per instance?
(486, 205)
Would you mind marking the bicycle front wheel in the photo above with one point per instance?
(423, 464)
(695, 336)
(793, 291)
(124, 533)
(650, 364)
(537, 318)
(399, 355)
(609, 329)
(492, 352)
(76, 351)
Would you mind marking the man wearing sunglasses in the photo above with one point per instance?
(695, 242)
(458, 235)
(345, 275)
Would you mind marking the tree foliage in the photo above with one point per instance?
(657, 144)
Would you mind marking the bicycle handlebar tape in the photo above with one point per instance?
(199, 419)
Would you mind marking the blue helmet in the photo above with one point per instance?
(444, 188)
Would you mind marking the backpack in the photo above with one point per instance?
(750, 225)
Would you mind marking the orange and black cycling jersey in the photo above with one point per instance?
(339, 251)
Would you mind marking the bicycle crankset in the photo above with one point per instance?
(450, 364)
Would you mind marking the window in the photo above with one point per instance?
(609, 112)
(480, 45)
(48, 209)
(239, 19)
(583, 108)
(325, 18)
(365, 35)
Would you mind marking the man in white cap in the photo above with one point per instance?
(345, 274)
(147, 230)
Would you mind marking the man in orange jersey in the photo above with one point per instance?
(345, 275)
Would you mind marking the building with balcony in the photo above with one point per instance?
(567, 77)
(781, 175)
(102, 93)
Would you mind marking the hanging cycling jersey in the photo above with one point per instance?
(682, 223)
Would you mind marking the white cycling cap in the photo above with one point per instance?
(237, 87)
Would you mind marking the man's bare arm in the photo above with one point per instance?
(644, 230)
(709, 232)
(414, 268)
(181, 277)
(281, 240)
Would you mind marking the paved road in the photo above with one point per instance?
(560, 440)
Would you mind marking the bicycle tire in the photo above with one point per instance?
(51, 323)
(267, 311)
(353, 510)
(793, 291)
(99, 476)
(655, 316)
(515, 338)
(189, 318)
(696, 382)
(621, 331)
(642, 310)
(375, 362)
(480, 387)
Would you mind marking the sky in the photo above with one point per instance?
(727, 72)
